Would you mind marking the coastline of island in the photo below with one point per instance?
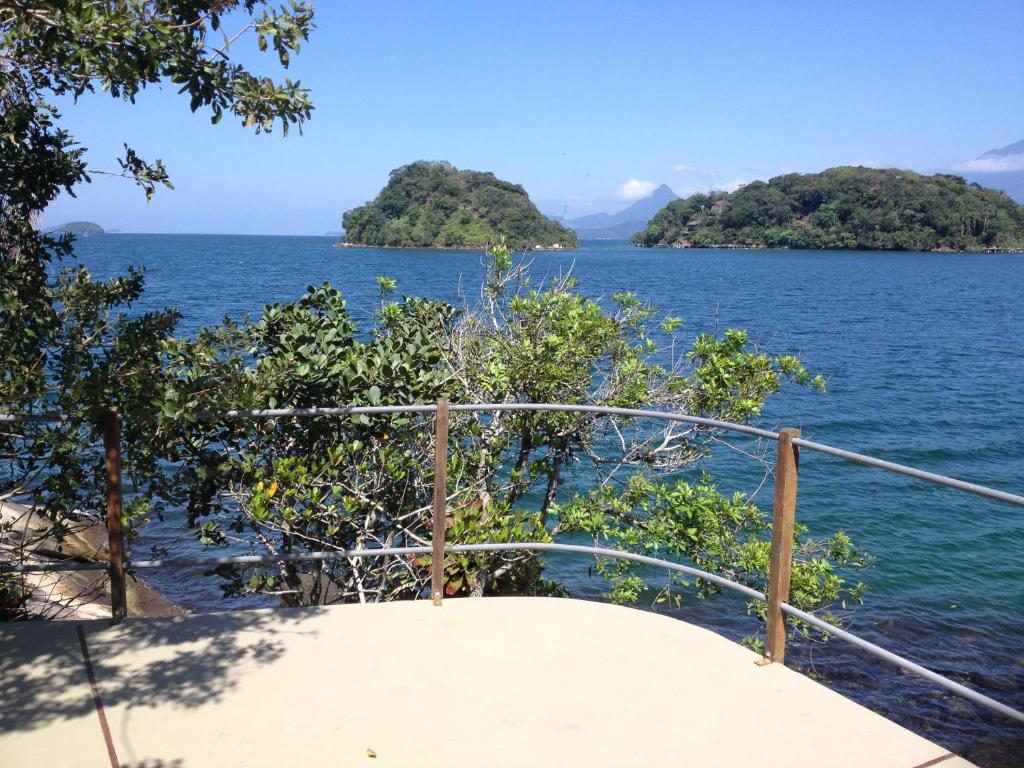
(844, 208)
(482, 246)
(434, 205)
(762, 247)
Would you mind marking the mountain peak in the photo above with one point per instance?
(628, 220)
(1016, 148)
(1001, 169)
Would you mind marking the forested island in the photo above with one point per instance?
(844, 208)
(435, 205)
(79, 228)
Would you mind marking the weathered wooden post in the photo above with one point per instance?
(783, 520)
(440, 501)
(115, 534)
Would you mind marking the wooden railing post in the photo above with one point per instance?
(783, 520)
(115, 534)
(440, 501)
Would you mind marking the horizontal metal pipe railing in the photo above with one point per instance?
(62, 565)
(10, 418)
(859, 642)
(904, 663)
(919, 474)
(271, 413)
(546, 546)
(858, 458)
(875, 650)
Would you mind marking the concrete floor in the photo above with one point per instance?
(491, 682)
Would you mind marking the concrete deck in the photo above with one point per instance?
(492, 682)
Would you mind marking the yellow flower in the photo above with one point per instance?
(272, 489)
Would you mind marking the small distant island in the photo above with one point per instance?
(430, 204)
(844, 208)
(78, 228)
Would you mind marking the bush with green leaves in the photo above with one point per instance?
(285, 485)
(291, 485)
(695, 523)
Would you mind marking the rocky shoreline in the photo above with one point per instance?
(683, 246)
(555, 247)
(70, 595)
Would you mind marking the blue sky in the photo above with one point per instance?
(586, 104)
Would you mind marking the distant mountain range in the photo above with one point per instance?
(625, 223)
(1017, 148)
(1001, 169)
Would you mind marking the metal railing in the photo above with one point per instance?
(788, 442)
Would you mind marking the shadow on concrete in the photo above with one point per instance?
(180, 662)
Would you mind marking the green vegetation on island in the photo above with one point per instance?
(844, 208)
(81, 228)
(435, 205)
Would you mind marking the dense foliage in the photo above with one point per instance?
(289, 485)
(67, 342)
(435, 205)
(849, 208)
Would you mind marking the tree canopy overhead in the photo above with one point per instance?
(435, 205)
(69, 342)
(53, 49)
(844, 208)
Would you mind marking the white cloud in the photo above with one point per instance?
(634, 190)
(732, 186)
(728, 186)
(998, 164)
(696, 180)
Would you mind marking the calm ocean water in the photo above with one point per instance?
(924, 358)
